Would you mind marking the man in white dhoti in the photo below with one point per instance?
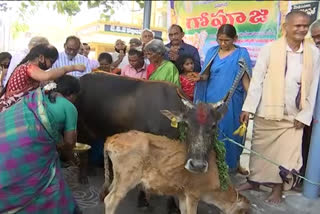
(282, 96)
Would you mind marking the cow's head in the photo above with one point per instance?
(201, 120)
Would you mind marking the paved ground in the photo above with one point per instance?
(87, 196)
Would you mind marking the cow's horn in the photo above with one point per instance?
(187, 103)
(217, 104)
(221, 102)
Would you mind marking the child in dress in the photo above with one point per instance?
(185, 66)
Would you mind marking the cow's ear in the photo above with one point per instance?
(172, 114)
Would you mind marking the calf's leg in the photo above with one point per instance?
(119, 188)
(192, 204)
(125, 179)
(182, 204)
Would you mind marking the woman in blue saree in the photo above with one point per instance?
(221, 73)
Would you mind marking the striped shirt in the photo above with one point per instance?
(78, 59)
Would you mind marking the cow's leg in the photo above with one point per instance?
(83, 168)
(182, 204)
(192, 204)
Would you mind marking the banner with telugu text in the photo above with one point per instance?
(257, 22)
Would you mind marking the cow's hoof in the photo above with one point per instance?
(83, 180)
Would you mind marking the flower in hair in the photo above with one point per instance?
(50, 86)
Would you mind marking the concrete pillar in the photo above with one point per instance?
(147, 14)
(313, 169)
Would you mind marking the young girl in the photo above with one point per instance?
(186, 69)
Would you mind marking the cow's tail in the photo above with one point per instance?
(108, 176)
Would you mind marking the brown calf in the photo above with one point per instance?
(157, 163)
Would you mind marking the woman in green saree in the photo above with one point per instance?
(159, 68)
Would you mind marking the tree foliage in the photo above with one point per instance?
(72, 8)
(69, 8)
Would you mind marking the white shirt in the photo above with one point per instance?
(78, 59)
(253, 100)
(15, 60)
(124, 62)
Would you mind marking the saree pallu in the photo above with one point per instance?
(30, 175)
(223, 73)
(167, 71)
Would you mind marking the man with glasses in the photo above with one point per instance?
(71, 56)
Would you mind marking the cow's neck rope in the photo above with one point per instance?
(220, 151)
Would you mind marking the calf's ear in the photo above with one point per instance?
(171, 115)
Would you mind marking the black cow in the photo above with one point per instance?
(110, 104)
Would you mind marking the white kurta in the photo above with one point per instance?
(253, 102)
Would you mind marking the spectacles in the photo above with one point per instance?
(74, 50)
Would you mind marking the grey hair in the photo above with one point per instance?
(37, 40)
(156, 46)
(315, 24)
(147, 30)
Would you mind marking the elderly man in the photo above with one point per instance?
(146, 36)
(315, 32)
(18, 57)
(71, 56)
(137, 67)
(94, 64)
(175, 35)
(281, 95)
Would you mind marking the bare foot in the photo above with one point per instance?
(276, 195)
(248, 186)
(242, 171)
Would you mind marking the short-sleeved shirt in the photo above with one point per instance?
(62, 114)
(130, 71)
(63, 60)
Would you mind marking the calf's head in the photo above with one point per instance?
(201, 120)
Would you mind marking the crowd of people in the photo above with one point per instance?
(36, 110)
